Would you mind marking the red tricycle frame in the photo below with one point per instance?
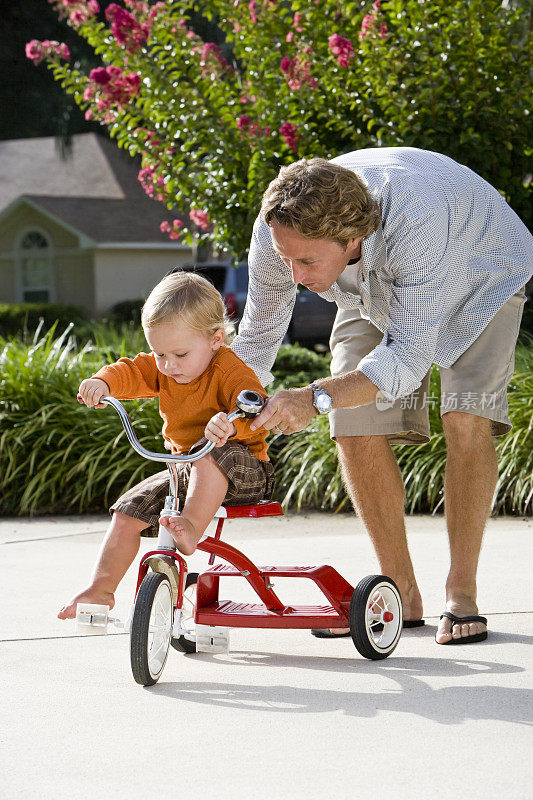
(271, 612)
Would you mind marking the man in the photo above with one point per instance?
(427, 264)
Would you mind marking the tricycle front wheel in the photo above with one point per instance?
(151, 628)
(376, 616)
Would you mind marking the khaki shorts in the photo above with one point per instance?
(249, 481)
(475, 384)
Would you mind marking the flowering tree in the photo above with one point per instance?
(297, 78)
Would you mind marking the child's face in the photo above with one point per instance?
(181, 352)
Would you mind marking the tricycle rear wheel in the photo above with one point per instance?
(183, 643)
(376, 616)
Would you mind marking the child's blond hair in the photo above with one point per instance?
(192, 299)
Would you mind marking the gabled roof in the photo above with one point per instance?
(94, 189)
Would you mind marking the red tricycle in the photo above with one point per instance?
(178, 608)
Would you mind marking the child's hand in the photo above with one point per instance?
(91, 391)
(219, 429)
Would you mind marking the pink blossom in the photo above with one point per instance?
(128, 32)
(88, 115)
(252, 6)
(367, 25)
(370, 23)
(289, 37)
(298, 72)
(290, 135)
(200, 218)
(173, 230)
(155, 11)
(112, 89)
(208, 52)
(153, 184)
(77, 12)
(296, 22)
(341, 48)
(137, 6)
(252, 129)
(37, 51)
(100, 76)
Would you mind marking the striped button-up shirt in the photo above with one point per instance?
(448, 254)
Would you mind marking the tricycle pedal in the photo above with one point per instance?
(212, 639)
(92, 618)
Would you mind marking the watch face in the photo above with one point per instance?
(323, 402)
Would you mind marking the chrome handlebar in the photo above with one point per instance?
(249, 405)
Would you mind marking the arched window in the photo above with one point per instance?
(35, 260)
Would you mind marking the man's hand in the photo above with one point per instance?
(91, 391)
(219, 429)
(288, 411)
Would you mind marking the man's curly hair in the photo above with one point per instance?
(321, 200)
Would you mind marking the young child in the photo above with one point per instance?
(197, 379)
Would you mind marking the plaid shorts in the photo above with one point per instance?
(249, 481)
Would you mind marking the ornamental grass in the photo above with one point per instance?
(60, 457)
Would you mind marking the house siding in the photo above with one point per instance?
(131, 274)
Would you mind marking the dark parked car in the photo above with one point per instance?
(312, 317)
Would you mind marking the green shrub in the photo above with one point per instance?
(127, 311)
(16, 319)
(297, 366)
(60, 457)
(308, 473)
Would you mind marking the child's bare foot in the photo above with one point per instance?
(183, 532)
(90, 595)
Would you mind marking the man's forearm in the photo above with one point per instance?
(350, 390)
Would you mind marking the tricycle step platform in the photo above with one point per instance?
(242, 615)
(282, 572)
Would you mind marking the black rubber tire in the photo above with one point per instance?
(140, 629)
(180, 643)
(364, 642)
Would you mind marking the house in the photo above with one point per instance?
(79, 230)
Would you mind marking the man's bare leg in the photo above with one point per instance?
(116, 553)
(469, 484)
(375, 486)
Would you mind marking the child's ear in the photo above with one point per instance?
(218, 339)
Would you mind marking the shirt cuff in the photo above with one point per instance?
(392, 377)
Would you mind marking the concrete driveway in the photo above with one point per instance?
(284, 715)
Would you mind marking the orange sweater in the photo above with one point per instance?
(187, 408)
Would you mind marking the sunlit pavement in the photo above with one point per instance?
(284, 715)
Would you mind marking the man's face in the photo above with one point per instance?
(315, 263)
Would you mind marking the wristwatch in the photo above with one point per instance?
(321, 399)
